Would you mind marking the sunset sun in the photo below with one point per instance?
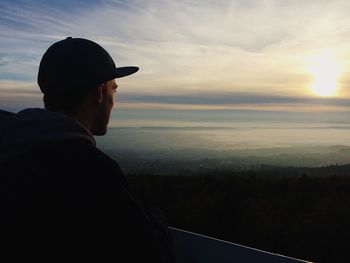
(325, 71)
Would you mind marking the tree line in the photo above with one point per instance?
(278, 210)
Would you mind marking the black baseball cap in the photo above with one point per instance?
(77, 63)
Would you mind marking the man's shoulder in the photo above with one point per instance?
(76, 157)
(83, 154)
(80, 149)
(72, 165)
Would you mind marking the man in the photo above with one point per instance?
(61, 197)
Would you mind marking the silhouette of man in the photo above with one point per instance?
(61, 197)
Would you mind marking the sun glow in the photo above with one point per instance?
(325, 71)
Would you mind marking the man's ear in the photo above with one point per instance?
(99, 93)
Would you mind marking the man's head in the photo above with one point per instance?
(75, 73)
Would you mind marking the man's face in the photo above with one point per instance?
(105, 108)
(110, 91)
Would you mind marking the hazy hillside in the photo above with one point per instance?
(196, 160)
(173, 149)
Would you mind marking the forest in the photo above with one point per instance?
(298, 212)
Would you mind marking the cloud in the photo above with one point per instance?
(16, 95)
(185, 46)
(231, 98)
(232, 101)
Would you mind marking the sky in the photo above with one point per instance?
(239, 55)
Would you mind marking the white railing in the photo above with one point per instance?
(192, 248)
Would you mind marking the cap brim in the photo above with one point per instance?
(125, 71)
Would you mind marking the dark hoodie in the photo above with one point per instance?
(32, 129)
(62, 197)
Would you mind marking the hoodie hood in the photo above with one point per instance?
(32, 129)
